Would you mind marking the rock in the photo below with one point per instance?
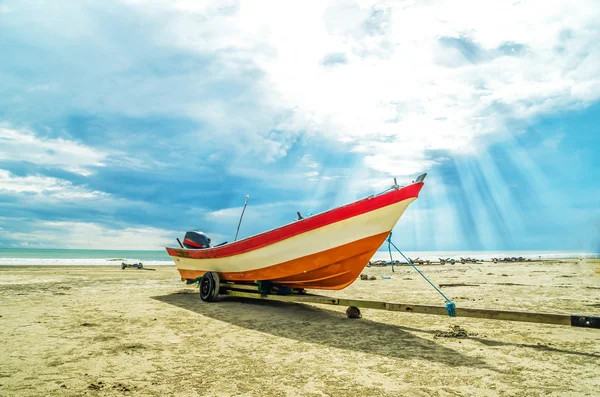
(456, 331)
(353, 312)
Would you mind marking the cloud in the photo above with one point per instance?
(44, 186)
(23, 145)
(89, 235)
(423, 76)
(334, 58)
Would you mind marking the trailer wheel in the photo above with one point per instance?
(209, 287)
(217, 287)
(353, 312)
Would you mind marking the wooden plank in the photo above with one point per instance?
(546, 318)
(490, 314)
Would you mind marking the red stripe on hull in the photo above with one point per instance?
(302, 226)
(332, 269)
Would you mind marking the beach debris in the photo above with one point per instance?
(367, 277)
(386, 277)
(450, 261)
(458, 285)
(380, 263)
(456, 331)
(511, 259)
(139, 266)
(447, 260)
(420, 261)
(470, 260)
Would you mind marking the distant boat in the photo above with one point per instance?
(324, 251)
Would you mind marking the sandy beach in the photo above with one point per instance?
(72, 331)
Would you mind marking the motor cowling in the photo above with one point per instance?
(196, 240)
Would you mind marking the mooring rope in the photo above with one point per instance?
(390, 250)
(450, 306)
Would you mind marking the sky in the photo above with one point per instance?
(124, 123)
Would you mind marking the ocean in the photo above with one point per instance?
(65, 257)
(62, 257)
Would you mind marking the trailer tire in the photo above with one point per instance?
(217, 287)
(209, 287)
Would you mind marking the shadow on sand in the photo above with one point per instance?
(494, 343)
(306, 323)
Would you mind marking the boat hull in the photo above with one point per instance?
(328, 251)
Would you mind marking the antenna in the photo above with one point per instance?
(238, 228)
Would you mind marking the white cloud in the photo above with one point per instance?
(419, 76)
(85, 235)
(403, 78)
(45, 186)
(22, 145)
(258, 210)
(307, 161)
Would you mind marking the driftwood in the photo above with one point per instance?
(380, 263)
(419, 261)
(458, 285)
(511, 259)
(470, 260)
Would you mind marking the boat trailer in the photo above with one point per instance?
(211, 287)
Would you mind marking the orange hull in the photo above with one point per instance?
(332, 269)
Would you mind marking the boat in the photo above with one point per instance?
(326, 251)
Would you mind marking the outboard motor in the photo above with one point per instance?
(196, 240)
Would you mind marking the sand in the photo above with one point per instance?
(73, 331)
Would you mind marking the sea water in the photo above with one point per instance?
(79, 257)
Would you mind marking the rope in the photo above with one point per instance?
(390, 250)
(450, 306)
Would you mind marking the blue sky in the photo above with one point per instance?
(125, 123)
